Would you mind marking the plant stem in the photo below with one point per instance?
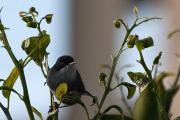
(148, 72)
(115, 60)
(19, 67)
(6, 111)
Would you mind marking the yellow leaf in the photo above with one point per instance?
(61, 90)
(9, 82)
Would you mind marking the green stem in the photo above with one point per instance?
(19, 67)
(148, 72)
(115, 60)
(6, 111)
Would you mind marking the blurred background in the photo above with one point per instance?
(84, 29)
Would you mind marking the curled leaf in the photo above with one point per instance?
(49, 18)
(130, 87)
(36, 46)
(141, 79)
(157, 58)
(144, 43)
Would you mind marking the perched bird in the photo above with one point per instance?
(64, 71)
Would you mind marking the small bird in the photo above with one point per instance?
(64, 71)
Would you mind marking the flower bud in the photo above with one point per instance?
(102, 77)
(117, 23)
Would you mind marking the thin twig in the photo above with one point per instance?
(20, 69)
(6, 111)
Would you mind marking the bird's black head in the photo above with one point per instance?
(63, 61)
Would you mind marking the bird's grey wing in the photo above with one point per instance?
(54, 79)
(77, 84)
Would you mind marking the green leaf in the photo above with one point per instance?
(146, 106)
(9, 82)
(27, 19)
(37, 112)
(162, 75)
(36, 46)
(157, 58)
(144, 43)
(115, 117)
(140, 79)
(49, 18)
(131, 89)
(166, 96)
(32, 24)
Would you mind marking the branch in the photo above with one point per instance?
(148, 19)
(19, 67)
(6, 111)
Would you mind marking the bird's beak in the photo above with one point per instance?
(72, 63)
